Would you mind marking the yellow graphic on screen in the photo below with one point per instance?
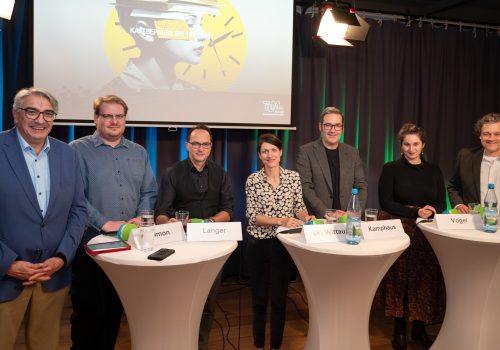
(118, 44)
(200, 44)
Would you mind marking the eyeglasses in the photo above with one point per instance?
(110, 117)
(329, 126)
(198, 145)
(489, 134)
(33, 113)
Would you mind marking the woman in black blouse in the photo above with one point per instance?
(413, 289)
(274, 198)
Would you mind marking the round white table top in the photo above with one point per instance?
(468, 235)
(185, 253)
(364, 248)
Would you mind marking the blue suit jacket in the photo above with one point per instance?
(26, 235)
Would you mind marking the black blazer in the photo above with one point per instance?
(312, 165)
(465, 183)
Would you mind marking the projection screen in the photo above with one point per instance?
(225, 62)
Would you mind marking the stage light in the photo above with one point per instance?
(6, 7)
(338, 24)
(332, 32)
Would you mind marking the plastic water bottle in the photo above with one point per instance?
(490, 210)
(353, 226)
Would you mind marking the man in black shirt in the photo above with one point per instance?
(201, 187)
(329, 169)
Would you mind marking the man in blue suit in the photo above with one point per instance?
(43, 214)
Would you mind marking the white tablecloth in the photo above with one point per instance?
(470, 261)
(164, 300)
(341, 281)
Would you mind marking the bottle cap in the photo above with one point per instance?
(491, 186)
(354, 191)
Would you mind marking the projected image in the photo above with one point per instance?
(175, 62)
(174, 45)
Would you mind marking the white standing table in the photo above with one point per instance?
(164, 300)
(470, 261)
(341, 281)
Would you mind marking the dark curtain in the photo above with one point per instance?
(17, 54)
(441, 79)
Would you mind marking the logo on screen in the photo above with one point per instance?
(273, 107)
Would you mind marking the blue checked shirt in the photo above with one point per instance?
(118, 181)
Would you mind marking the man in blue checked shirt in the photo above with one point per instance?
(118, 184)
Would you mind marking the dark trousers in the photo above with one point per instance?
(270, 266)
(97, 309)
(208, 314)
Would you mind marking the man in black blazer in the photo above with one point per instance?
(330, 169)
(476, 167)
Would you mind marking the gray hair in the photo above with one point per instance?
(490, 118)
(23, 93)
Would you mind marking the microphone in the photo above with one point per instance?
(124, 231)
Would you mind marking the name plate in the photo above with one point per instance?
(214, 231)
(458, 221)
(382, 229)
(163, 234)
(324, 233)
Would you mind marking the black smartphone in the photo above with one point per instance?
(161, 254)
(293, 230)
(109, 233)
